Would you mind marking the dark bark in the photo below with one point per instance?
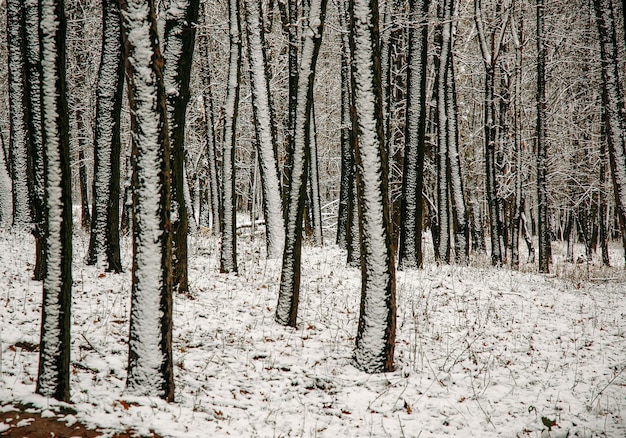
(180, 38)
(613, 105)
(53, 379)
(150, 362)
(104, 240)
(289, 292)
(603, 204)
(543, 232)
(314, 184)
(85, 215)
(228, 227)
(411, 216)
(375, 340)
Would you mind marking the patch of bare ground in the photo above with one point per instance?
(23, 423)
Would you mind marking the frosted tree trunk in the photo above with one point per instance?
(180, 36)
(517, 136)
(613, 105)
(375, 340)
(6, 200)
(490, 49)
(211, 146)
(18, 144)
(411, 218)
(455, 178)
(543, 231)
(53, 379)
(289, 291)
(347, 153)
(265, 131)
(104, 241)
(442, 250)
(314, 183)
(35, 131)
(150, 364)
(85, 215)
(228, 259)
(603, 204)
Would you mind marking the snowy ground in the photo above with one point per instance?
(480, 351)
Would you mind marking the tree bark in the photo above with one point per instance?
(375, 340)
(53, 379)
(543, 231)
(228, 228)
(289, 291)
(265, 131)
(150, 363)
(411, 216)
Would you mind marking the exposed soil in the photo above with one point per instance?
(27, 424)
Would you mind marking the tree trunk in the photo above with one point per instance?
(180, 37)
(53, 379)
(211, 146)
(289, 292)
(347, 153)
(543, 231)
(228, 228)
(603, 204)
(314, 183)
(18, 144)
(85, 216)
(265, 131)
(613, 104)
(150, 364)
(411, 219)
(377, 318)
(104, 241)
(35, 134)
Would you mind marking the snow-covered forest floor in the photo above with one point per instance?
(480, 351)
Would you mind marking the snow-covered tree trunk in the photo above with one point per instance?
(347, 153)
(603, 206)
(85, 215)
(150, 366)
(442, 250)
(289, 291)
(543, 231)
(6, 199)
(377, 318)
(265, 131)
(35, 128)
(180, 36)
(490, 50)
(18, 140)
(517, 35)
(314, 183)
(104, 240)
(53, 379)
(455, 178)
(211, 145)
(411, 217)
(228, 259)
(613, 105)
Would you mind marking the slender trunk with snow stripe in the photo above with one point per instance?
(314, 183)
(377, 318)
(150, 367)
(265, 131)
(289, 292)
(228, 256)
(613, 103)
(53, 379)
(17, 103)
(104, 238)
(410, 254)
(180, 36)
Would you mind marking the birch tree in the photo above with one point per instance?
(180, 36)
(53, 378)
(265, 130)
(289, 291)
(228, 228)
(150, 365)
(377, 317)
(104, 237)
